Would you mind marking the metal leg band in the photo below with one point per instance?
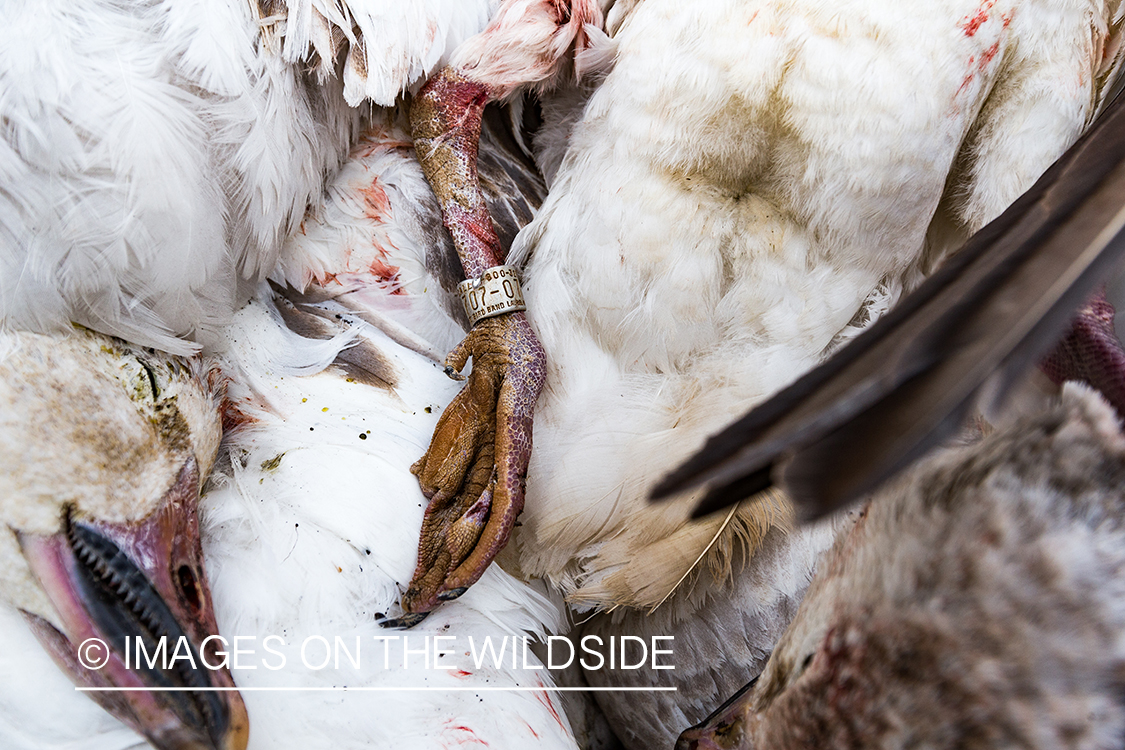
(496, 292)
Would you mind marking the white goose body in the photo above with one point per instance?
(311, 537)
(752, 183)
(153, 155)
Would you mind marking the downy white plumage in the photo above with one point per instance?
(155, 154)
(310, 529)
(314, 532)
(310, 538)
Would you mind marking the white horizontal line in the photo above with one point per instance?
(342, 689)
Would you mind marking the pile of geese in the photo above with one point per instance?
(813, 374)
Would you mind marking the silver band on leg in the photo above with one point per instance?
(496, 292)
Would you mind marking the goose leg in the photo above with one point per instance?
(474, 469)
(473, 472)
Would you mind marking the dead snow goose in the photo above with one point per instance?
(750, 185)
(105, 447)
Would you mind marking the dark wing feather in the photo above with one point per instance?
(905, 384)
(362, 360)
(512, 185)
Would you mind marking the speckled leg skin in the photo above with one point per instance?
(474, 469)
(1092, 353)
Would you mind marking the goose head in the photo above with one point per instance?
(103, 448)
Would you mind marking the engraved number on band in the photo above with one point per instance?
(495, 293)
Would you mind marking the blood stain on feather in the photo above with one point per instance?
(545, 699)
(387, 273)
(988, 54)
(377, 137)
(233, 418)
(472, 735)
(972, 24)
(377, 205)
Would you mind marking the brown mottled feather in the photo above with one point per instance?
(977, 604)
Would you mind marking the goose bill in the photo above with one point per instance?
(139, 588)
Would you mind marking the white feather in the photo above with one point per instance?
(390, 46)
(377, 242)
(152, 155)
